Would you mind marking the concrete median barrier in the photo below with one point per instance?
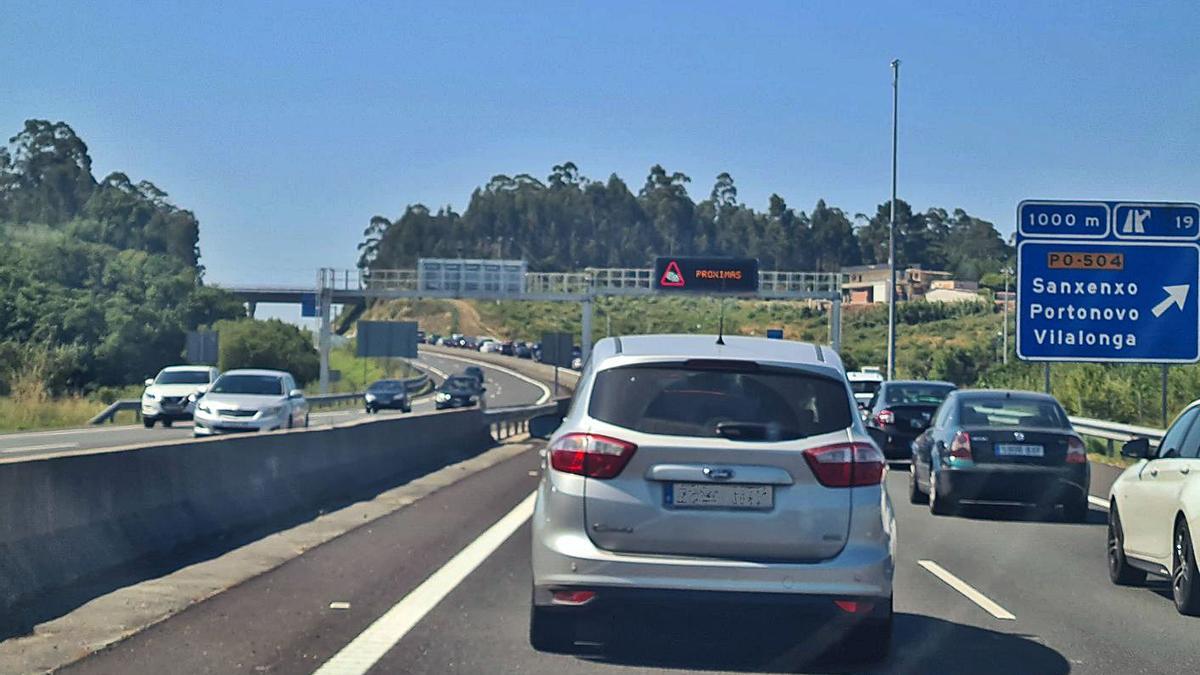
(68, 518)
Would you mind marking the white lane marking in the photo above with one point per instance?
(67, 432)
(436, 371)
(1098, 501)
(488, 364)
(49, 446)
(364, 651)
(967, 590)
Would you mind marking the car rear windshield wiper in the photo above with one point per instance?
(756, 431)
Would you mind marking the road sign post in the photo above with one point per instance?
(1108, 281)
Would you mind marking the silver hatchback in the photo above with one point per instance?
(688, 471)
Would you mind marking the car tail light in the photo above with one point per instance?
(590, 455)
(885, 417)
(854, 606)
(1076, 451)
(573, 597)
(846, 464)
(960, 447)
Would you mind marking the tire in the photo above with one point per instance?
(869, 641)
(1185, 578)
(1076, 510)
(1120, 572)
(148, 422)
(407, 408)
(551, 632)
(167, 422)
(915, 496)
(939, 505)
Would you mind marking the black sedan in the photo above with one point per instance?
(458, 391)
(900, 411)
(383, 394)
(1010, 447)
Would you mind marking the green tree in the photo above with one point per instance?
(273, 344)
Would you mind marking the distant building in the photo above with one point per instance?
(953, 295)
(866, 284)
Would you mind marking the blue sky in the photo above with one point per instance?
(286, 126)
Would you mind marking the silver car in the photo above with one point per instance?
(250, 400)
(688, 471)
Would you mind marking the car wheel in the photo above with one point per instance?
(407, 408)
(1120, 572)
(168, 422)
(939, 505)
(551, 632)
(870, 640)
(1076, 510)
(915, 496)
(148, 422)
(1184, 583)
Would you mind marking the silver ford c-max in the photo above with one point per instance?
(696, 470)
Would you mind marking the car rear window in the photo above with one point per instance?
(261, 385)
(1012, 412)
(865, 386)
(917, 394)
(686, 400)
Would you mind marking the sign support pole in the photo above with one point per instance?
(1164, 395)
(1046, 375)
(555, 381)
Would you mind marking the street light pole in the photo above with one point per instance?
(1007, 273)
(891, 345)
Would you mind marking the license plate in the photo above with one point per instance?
(1011, 450)
(709, 495)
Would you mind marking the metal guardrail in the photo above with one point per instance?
(506, 422)
(1113, 432)
(414, 384)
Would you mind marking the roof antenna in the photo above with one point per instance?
(721, 325)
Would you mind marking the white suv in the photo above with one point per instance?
(690, 471)
(171, 395)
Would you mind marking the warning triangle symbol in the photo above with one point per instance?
(672, 276)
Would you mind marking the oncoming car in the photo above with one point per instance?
(387, 394)
(250, 400)
(458, 391)
(689, 472)
(171, 395)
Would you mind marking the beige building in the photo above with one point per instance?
(866, 284)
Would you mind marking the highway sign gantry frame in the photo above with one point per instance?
(1122, 290)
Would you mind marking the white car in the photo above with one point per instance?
(171, 395)
(864, 383)
(489, 345)
(250, 400)
(1154, 512)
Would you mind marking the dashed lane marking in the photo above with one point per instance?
(987, 604)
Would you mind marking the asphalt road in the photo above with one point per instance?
(503, 389)
(1048, 576)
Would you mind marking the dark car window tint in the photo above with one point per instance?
(1006, 411)
(386, 385)
(685, 401)
(917, 394)
(865, 386)
(943, 416)
(1173, 441)
(1191, 444)
(262, 385)
(183, 377)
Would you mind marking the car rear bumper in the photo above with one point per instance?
(1016, 484)
(609, 600)
(572, 561)
(894, 443)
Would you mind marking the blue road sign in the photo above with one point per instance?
(1108, 281)
(775, 333)
(308, 304)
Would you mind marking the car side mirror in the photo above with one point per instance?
(296, 393)
(1138, 448)
(543, 426)
(202, 390)
(149, 381)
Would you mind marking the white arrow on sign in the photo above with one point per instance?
(1176, 295)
